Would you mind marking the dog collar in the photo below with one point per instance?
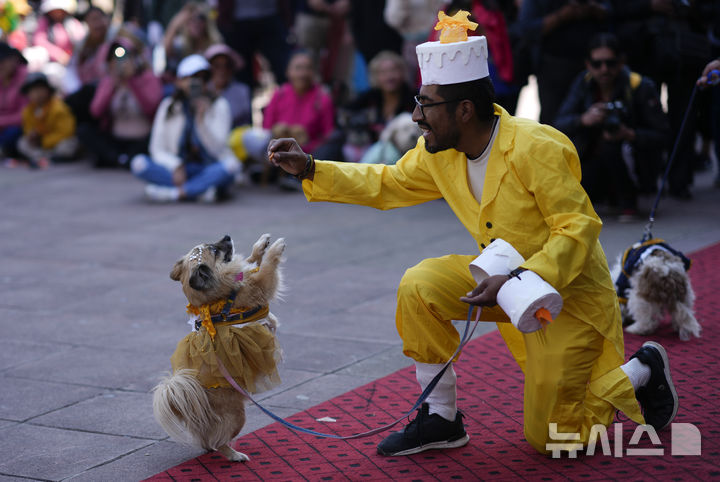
(221, 313)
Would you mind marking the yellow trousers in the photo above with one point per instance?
(560, 363)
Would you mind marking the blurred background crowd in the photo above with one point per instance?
(186, 95)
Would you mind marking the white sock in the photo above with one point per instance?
(637, 372)
(443, 399)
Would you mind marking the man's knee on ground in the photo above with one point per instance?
(553, 395)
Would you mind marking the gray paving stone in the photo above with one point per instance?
(17, 352)
(324, 354)
(358, 323)
(289, 378)
(315, 391)
(131, 370)
(6, 478)
(23, 399)
(140, 464)
(111, 413)
(384, 363)
(7, 423)
(257, 419)
(52, 454)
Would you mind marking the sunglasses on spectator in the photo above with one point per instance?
(610, 63)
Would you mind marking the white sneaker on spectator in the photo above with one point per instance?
(241, 179)
(209, 196)
(161, 194)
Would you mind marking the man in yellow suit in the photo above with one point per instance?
(517, 180)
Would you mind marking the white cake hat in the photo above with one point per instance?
(454, 58)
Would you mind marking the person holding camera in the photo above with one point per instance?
(123, 105)
(189, 156)
(614, 118)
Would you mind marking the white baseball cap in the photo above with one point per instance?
(49, 5)
(191, 65)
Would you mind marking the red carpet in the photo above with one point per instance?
(490, 394)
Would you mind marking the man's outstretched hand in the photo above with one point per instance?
(287, 155)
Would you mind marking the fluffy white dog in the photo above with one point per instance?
(399, 136)
(653, 283)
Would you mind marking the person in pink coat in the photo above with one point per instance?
(300, 106)
(13, 71)
(123, 106)
(300, 109)
(58, 31)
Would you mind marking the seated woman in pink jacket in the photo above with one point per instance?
(300, 108)
(57, 30)
(13, 71)
(123, 106)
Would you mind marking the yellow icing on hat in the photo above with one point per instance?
(454, 29)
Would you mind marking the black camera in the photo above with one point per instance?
(196, 88)
(615, 113)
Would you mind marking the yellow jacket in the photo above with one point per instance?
(531, 198)
(54, 122)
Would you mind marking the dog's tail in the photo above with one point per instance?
(181, 406)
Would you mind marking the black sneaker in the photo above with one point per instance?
(658, 398)
(424, 433)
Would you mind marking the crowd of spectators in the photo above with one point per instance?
(187, 94)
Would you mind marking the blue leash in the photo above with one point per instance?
(713, 78)
(467, 334)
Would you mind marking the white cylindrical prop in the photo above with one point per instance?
(498, 258)
(522, 296)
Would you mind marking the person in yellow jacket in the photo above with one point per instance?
(517, 180)
(48, 124)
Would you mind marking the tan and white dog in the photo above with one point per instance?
(228, 296)
(658, 284)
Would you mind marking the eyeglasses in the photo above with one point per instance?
(610, 63)
(432, 104)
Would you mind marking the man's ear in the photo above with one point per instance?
(176, 271)
(466, 110)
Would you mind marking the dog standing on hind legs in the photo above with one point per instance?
(651, 279)
(229, 297)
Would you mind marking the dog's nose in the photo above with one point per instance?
(201, 278)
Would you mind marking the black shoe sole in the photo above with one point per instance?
(444, 444)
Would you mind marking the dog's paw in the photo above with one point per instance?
(258, 249)
(687, 332)
(277, 249)
(262, 243)
(233, 455)
(638, 329)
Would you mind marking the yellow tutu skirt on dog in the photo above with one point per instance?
(249, 351)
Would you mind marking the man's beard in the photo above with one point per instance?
(449, 142)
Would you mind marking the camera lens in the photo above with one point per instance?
(119, 52)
